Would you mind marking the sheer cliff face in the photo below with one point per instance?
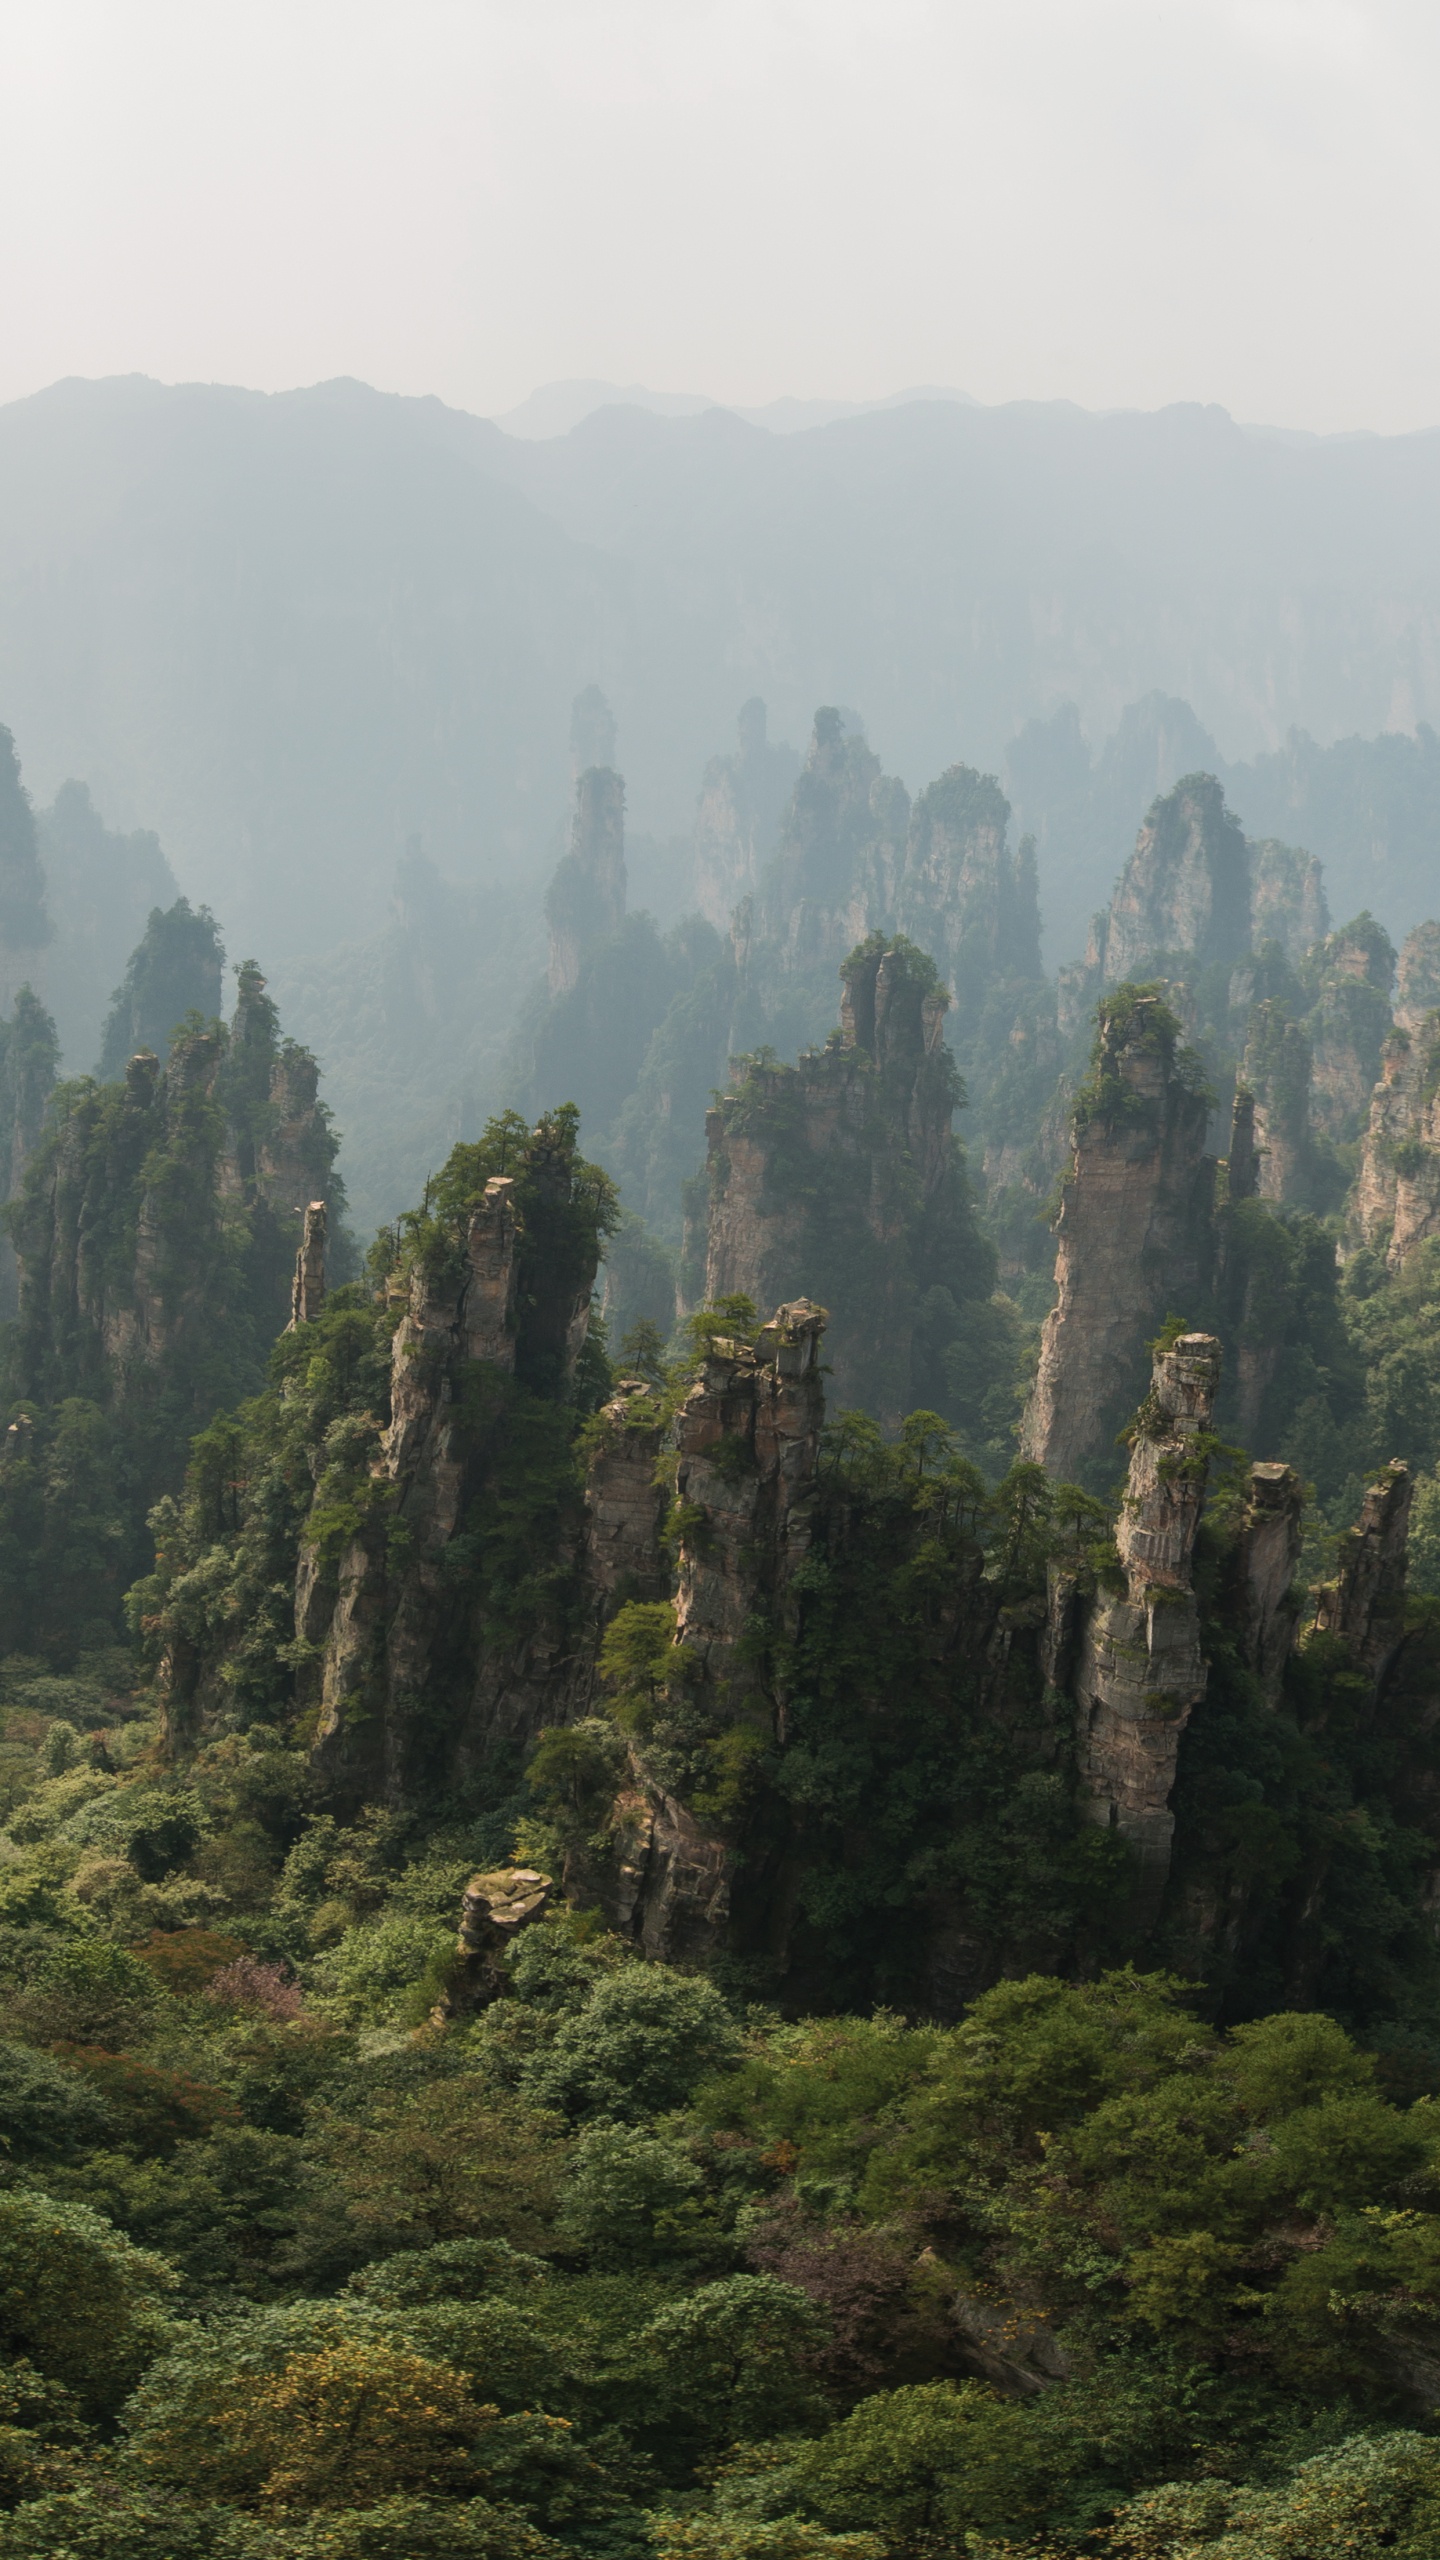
(585, 902)
(737, 823)
(963, 895)
(1364, 1606)
(29, 1060)
(157, 1223)
(1397, 1193)
(1275, 1070)
(1134, 1236)
(841, 849)
(1348, 1024)
(418, 1668)
(1141, 1671)
(747, 1444)
(377, 1624)
(839, 1174)
(1417, 976)
(1287, 899)
(1186, 887)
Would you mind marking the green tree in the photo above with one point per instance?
(173, 972)
(77, 2299)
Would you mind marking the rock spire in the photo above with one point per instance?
(1135, 1233)
(1140, 1670)
(585, 902)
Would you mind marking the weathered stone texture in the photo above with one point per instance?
(625, 1498)
(748, 1438)
(307, 1291)
(1141, 1670)
(1185, 888)
(1397, 1191)
(1135, 1241)
(1287, 899)
(856, 1136)
(1276, 1071)
(1268, 1560)
(494, 1908)
(1364, 1606)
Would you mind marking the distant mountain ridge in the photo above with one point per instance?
(289, 633)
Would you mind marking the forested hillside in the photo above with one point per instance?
(733, 1855)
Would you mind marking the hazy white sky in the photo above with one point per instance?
(1122, 202)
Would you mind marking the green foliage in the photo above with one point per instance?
(174, 972)
(637, 2047)
(924, 2466)
(47, 2111)
(77, 2299)
(732, 2357)
(635, 2197)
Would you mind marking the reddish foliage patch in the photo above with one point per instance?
(186, 1959)
(156, 2109)
(861, 2280)
(264, 1988)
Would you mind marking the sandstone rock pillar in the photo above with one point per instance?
(1364, 1606)
(1135, 1235)
(1269, 1556)
(307, 1291)
(1140, 1671)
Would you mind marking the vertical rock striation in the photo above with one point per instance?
(307, 1291)
(1140, 1670)
(1185, 888)
(1287, 899)
(1135, 1234)
(1275, 1070)
(737, 822)
(1348, 1024)
(748, 1445)
(1268, 1559)
(1364, 1606)
(1397, 1190)
(378, 1626)
(840, 1176)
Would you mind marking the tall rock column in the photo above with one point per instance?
(748, 1437)
(1276, 1070)
(1140, 1670)
(1135, 1234)
(377, 1639)
(748, 1440)
(840, 1176)
(1364, 1606)
(1268, 1558)
(307, 1293)
(1397, 1195)
(585, 902)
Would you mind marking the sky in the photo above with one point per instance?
(1117, 202)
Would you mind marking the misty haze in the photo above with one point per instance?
(719, 1282)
